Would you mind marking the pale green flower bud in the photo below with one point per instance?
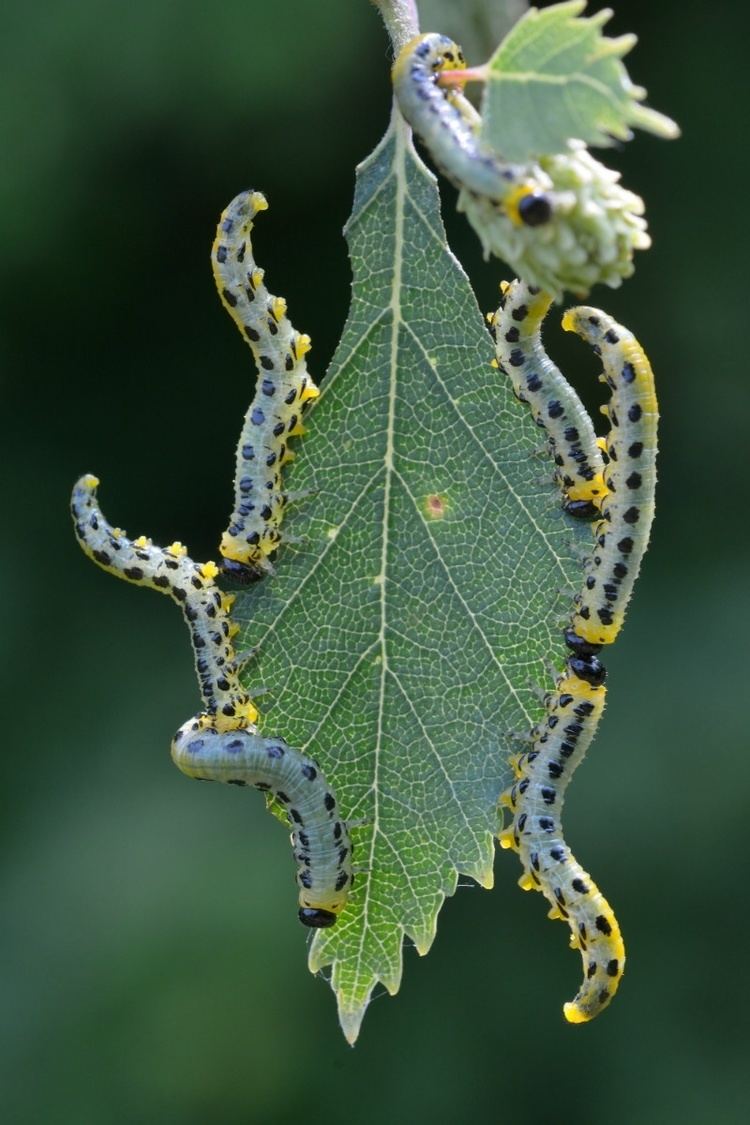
(589, 237)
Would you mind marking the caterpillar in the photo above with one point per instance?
(554, 403)
(283, 389)
(627, 508)
(562, 221)
(221, 742)
(447, 124)
(190, 584)
(320, 839)
(536, 798)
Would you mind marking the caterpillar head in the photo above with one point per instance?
(529, 205)
(316, 917)
(438, 51)
(568, 224)
(243, 573)
(451, 56)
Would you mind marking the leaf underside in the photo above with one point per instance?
(404, 635)
(556, 77)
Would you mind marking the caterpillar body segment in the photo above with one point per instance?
(627, 509)
(536, 800)
(284, 388)
(517, 326)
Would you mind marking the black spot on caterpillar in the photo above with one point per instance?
(536, 801)
(630, 478)
(283, 389)
(319, 838)
(221, 742)
(556, 407)
(447, 124)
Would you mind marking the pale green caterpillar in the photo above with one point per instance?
(221, 743)
(579, 466)
(320, 839)
(562, 222)
(628, 505)
(623, 490)
(283, 389)
(536, 801)
(171, 571)
(447, 122)
(623, 493)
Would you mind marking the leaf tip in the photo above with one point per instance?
(350, 1021)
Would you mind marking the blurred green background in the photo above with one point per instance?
(150, 969)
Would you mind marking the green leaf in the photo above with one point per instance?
(555, 78)
(402, 636)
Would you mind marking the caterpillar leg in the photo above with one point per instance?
(320, 839)
(536, 801)
(284, 388)
(631, 446)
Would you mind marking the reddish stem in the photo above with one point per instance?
(461, 77)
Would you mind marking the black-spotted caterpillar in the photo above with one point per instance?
(221, 743)
(627, 509)
(554, 403)
(536, 800)
(191, 585)
(447, 124)
(319, 837)
(283, 388)
(562, 220)
(624, 493)
(625, 497)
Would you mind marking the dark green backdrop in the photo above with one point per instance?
(150, 973)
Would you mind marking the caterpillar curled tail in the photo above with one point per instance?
(221, 742)
(627, 509)
(320, 840)
(536, 799)
(170, 571)
(447, 124)
(579, 466)
(283, 389)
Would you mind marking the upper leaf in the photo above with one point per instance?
(402, 637)
(555, 78)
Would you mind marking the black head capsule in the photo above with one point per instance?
(244, 573)
(316, 917)
(579, 646)
(581, 509)
(588, 668)
(535, 209)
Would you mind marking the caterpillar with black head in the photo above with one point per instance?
(283, 389)
(627, 508)
(561, 220)
(625, 496)
(447, 124)
(320, 839)
(221, 742)
(536, 801)
(520, 354)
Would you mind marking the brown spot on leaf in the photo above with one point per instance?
(435, 506)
